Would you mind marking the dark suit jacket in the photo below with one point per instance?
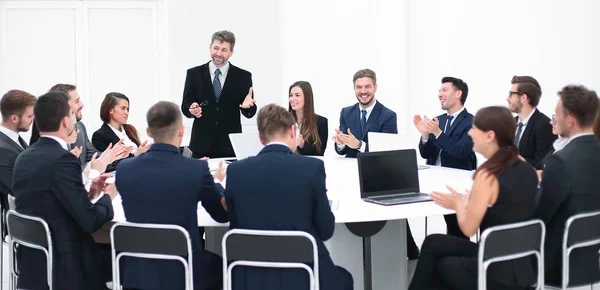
(456, 144)
(295, 198)
(537, 139)
(309, 147)
(87, 148)
(173, 185)
(210, 133)
(47, 184)
(381, 120)
(570, 186)
(9, 150)
(104, 137)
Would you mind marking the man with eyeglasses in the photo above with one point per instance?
(534, 136)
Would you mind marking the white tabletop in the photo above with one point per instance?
(343, 187)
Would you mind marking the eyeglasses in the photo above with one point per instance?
(553, 118)
(510, 93)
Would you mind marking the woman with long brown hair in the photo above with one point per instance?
(114, 111)
(503, 192)
(311, 132)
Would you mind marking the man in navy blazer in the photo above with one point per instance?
(445, 140)
(163, 187)
(294, 198)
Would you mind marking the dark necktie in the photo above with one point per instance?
(448, 123)
(363, 121)
(23, 143)
(217, 85)
(518, 135)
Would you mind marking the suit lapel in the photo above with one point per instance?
(525, 135)
(354, 121)
(372, 118)
(11, 142)
(456, 121)
(229, 80)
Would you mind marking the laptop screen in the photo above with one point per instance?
(388, 172)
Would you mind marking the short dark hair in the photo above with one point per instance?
(163, 118)
(14, 102)
(273, 120)
(225, 36)
(50, 109)
(529, 86)
(580, 102)
(459, 85)
(365, 73)
(64, 88)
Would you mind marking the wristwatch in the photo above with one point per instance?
(360, 143)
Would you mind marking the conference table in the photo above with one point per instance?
(369, 239)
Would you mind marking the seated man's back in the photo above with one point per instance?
(279, 190)
(163, 187)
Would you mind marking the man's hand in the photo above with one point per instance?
(111, 190)
(196, 110)
(418, 122)
(248, 101)
(98, 185)
(352, 141)
(340, 138)
(220, 173)
(76, 151)
(100, 163)
(432, 126)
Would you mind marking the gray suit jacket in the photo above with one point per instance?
(87, 148)
(9, 150)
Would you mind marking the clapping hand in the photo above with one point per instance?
(196, 110)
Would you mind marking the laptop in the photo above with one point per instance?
(387, 141)
(390, 177)
(245, 144)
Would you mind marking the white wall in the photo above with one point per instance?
(144, 47)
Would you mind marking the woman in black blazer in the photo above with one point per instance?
(311, 129)
(503, 192)
(114, 111)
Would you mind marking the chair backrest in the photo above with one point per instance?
(11, 202)
(273, 249)
(581, 230)
(32, 232)
(510, 242)
(151, 241)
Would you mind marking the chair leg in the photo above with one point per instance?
(425, 226)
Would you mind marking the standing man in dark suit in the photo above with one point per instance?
(170, 194)
(366, 116)
(534, 136)
(445, 140)
(255, 204)
(83, 141)
(570, 185)
(17, 115)
(47, 183)
(214, 95)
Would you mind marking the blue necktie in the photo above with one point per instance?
(217, 85)
(363, 121)
(448, 123)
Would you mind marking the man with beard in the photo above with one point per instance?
(17, 115)
(214, 95)
(445, 140)
(366, 116)
(534, 136)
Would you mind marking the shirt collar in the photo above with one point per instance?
(524, 122)
(60, 141)
(457, 113)
(276, 143)
(369, 108)
(117, 132)
(224, 69)
(574, 137)
(11, 134)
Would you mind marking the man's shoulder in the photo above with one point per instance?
(238, 70)
(198, 68)
(346, 110)
(541, 119)
(385, 110)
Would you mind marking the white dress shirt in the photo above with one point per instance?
(11, 134)
(224, 70)
(369, 109)
(126, 141)
(524, 122)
